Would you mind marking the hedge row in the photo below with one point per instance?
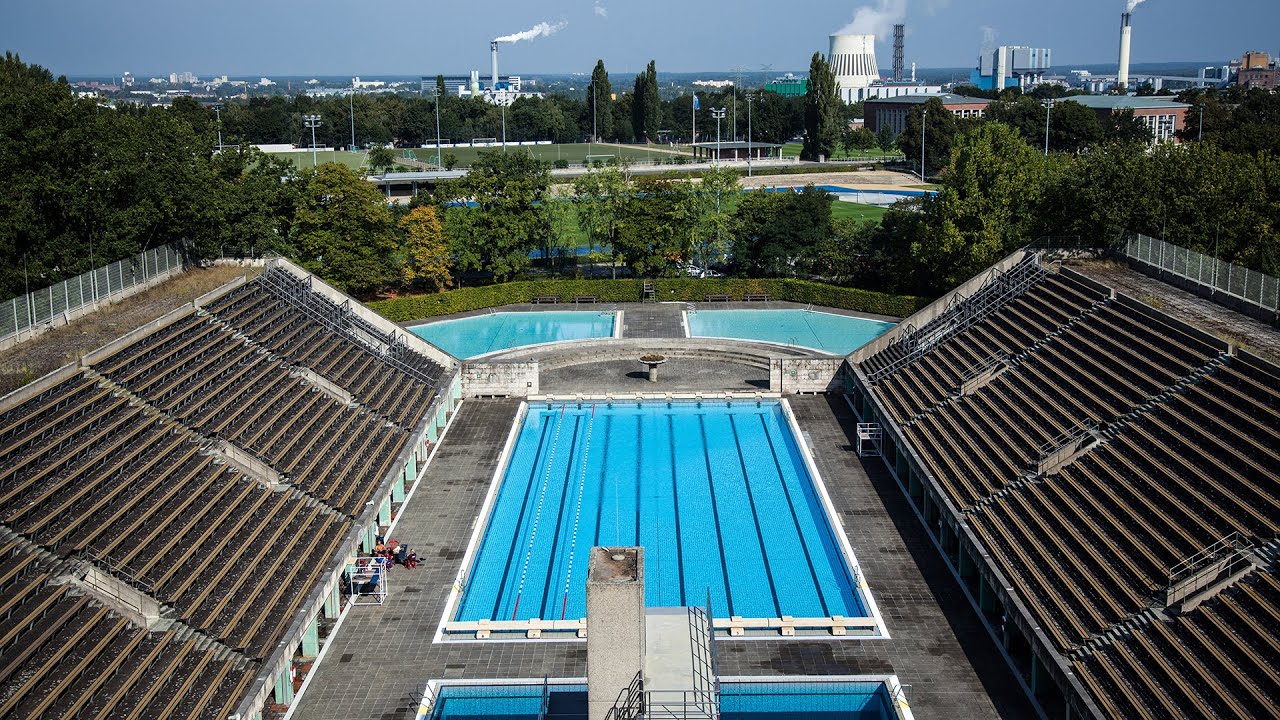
(417, 307)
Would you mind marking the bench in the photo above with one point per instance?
(545, 299)
(755, 297)
(717, 298)
(585, 299)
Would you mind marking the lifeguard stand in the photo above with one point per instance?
(368, 580)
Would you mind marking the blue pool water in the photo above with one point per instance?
(835, 334)
(738, 701)
(717, 493)
(469, 337)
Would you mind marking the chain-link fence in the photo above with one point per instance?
(41, 306)
(1244, 284)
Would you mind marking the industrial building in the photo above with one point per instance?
(1011, 66)
(1258, 70)
(893, 111)
(853, 60)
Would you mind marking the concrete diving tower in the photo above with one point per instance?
(644, 662)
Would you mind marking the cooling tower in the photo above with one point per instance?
(493, 52)
(853, 60)
(1122, 78)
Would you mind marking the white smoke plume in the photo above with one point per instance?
(542, 29)
(600, 10)
(876, 19)
(1131, 5)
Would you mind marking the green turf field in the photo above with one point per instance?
(858, 211)
(792, 150)
(302, 160)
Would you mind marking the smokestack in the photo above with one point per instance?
(1122, 78)
(493, 53)
(898, 31)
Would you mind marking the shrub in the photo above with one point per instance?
(418, 307)
(560, 164)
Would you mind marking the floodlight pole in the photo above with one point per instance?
(718, 114)
(351, 109)
(1048, 106)
(504, 128)
(217, 109)
(313, 122)
(749, 148)
(924, 115)
(438, 163)
(1201, 135)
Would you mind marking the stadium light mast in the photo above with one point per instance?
(217, 110)
(351, 110)
(718, 114)
(313, 122)
(504, 128)
(923, 116)
(1048, 107)
(750, 97)
(438, 164)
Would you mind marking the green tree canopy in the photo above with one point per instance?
(940, 133)
(600, 102)
(510, 221)
(821, 111)
(343, 230)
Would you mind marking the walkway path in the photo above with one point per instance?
(652, 320)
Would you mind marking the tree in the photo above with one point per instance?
(426, 251)
(780, 234)
(713, 224)
(821, 111)
(343, 231)
(1072, 126)
(381, 158)
(449, 160)
(940, 133)
(600, 102)
(1124, 127)
(655, 226)
(599, 197)
(885, 139)
(510, 190)
(646, 106)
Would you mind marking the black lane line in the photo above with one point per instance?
(755, 516)
(604, 466)
(564, 506)
(524, 508)
(715, 512)
(675, 502)
(782, 480)
(639, 455)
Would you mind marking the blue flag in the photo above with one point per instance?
(695, 101)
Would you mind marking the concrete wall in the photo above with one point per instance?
(807, 375)
(503, 379)
(615, 625)
(34, 388)
(936, 308)
(412, 341)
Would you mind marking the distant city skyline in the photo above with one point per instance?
(332, 38)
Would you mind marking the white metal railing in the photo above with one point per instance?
(41, 306)
(1224, 277)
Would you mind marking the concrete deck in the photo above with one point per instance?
(382, 655)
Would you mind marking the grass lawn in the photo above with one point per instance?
(792, 150)
(575, 153)
(857, 210)
(302, 160)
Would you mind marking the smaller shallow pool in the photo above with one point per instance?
(468, 337)
(827, 332)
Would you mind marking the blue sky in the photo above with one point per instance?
(328, 37)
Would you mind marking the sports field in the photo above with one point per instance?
(302, 160)
(792, 150)
(857, 211)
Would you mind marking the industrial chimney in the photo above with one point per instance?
(898, 31)
(1122, 78)
(493, 53)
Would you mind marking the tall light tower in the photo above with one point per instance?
(313, 122)
(718, 114)
(217, 110)
(1048, 107)
(924, 115)
(438, 164)
(351, 110)
(899, 31)
(750, 149)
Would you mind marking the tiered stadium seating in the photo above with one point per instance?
(282, 314)
(1177, 450)
(65, 655)
(1220, 660)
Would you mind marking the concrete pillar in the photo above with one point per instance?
(900, 464)
(1039, 678)
(311, 639)
(986, 598)
(615, 624)
(432, 432)
(384, 513)
(284, 687)
(333, 603)
(915, 486)
(397, 487)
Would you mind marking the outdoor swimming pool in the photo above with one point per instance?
(468, 337)
(718, 494)
(739, 700)
(828, 332)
